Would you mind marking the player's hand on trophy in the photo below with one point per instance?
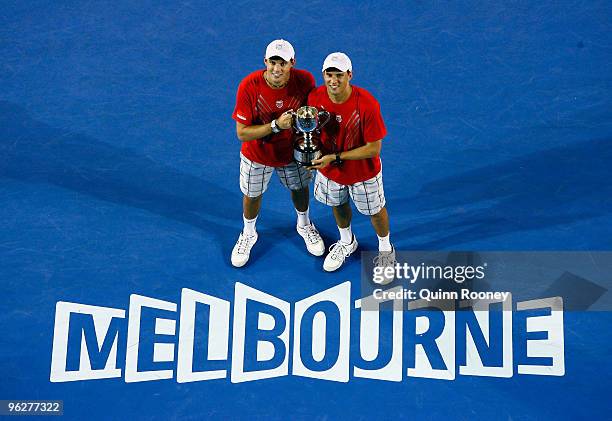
(322, 162)
(285, 120)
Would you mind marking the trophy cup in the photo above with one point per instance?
(307, 121)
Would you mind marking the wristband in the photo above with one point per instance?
(275, 128)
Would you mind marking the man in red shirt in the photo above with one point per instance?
(264, 103)
(352, 141)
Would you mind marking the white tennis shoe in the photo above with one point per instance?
(338, 252)
(385, 259)
(312, 238)
(242, 249)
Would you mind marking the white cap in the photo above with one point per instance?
(338, 60)
(280, 48)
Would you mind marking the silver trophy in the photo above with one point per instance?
(308, 122)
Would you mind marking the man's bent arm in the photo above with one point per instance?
(369, 150)
(247, 133)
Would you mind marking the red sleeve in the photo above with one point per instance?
(308, 86)
(243, 112)
(311, 99)
(310, 82)
(374, 127)
(315, 98)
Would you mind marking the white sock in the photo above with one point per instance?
(303, 218)
(249, 226)
(384, 244)
(346, 235)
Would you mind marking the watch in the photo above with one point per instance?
(338, 160)
(275, 128)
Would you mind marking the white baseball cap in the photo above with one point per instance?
(338, 60)
(280, 48)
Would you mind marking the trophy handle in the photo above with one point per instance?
(294, 121)
(324, 113)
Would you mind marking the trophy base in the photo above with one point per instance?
(305, 158)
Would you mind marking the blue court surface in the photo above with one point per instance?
(119, 176)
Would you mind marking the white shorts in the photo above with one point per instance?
(254, 177)
(368, 196)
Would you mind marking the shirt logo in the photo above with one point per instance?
(241, 117)
(338, 118)
(279, 103)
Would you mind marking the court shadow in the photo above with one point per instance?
(34, 152)
(549, 188)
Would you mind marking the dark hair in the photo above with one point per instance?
(277, 58)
